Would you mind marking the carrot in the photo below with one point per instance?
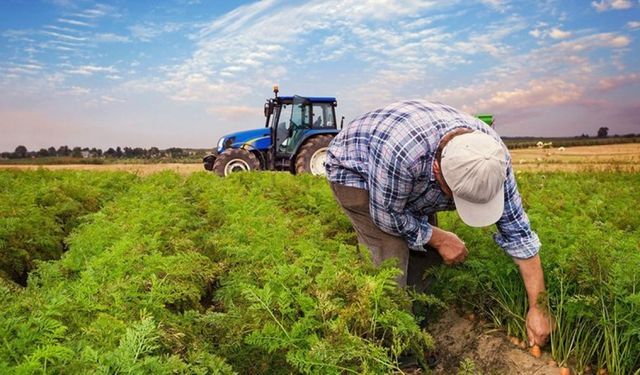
(565, 371)
(535, 351)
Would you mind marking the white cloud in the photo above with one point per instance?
(500, 5)
(64, 36)
(612, 83)
(556, 33)
(111, 37)
(148, 31)
(590, 42)
(87, 70)
(536, 33)
(74, 22)
(604, 5)
(633, 25)
(100, 10)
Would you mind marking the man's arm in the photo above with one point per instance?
(522, 244)
(538, 324)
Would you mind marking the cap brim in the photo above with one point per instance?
(481, 214)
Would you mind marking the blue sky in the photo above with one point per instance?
(184, 72)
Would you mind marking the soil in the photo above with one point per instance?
(490, 350)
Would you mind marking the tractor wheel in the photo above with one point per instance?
(234, 160)
(312, 155)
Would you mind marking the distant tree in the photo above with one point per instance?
(64, 151)
(128, 152)
(52, 151)
(154, 152)
(6, 155)
(77, 152)
(20, 152)
(139, 152)
(118, 152)
(110, 152)
(603, 132)
(175, 152)
(43, 153)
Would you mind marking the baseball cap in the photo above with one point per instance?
(474, 166)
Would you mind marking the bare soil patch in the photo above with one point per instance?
(489, 349)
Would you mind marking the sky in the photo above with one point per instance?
(184, 72)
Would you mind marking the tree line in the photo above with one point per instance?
(21, 152)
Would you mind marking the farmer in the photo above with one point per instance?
(393, 168)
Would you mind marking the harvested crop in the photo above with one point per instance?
(535, 351)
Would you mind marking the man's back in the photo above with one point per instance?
(406, 133)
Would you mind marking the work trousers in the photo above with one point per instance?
(382, 245)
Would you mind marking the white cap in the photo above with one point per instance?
(474, 165)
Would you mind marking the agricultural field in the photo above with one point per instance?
(259, 273)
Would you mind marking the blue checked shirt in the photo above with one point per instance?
(390, 152)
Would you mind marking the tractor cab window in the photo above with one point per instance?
(323, 116)
(292, 117)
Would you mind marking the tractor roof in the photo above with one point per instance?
(313, 99)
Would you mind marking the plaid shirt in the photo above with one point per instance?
(390, 152)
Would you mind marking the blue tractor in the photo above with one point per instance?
(295, 138)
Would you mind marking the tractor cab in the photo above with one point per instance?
(295, 138)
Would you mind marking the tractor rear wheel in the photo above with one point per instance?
(313, 155)
(234, 160)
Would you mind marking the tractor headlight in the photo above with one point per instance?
(220, 143)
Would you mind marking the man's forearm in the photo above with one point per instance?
(533, 278)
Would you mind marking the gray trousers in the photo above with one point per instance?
(382, 245)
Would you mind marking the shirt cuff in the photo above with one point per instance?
(424, 236)
(520, 247)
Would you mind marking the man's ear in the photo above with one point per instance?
(436, 167)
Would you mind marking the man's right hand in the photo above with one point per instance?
(449, 245)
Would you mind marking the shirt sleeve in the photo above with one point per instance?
(514, 235)
(390, 184)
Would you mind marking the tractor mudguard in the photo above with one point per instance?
(308, 134)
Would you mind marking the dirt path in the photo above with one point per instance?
(489, 350)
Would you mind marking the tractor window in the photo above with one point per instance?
(300, 115)
(323, 116)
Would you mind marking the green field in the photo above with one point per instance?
(259, 273)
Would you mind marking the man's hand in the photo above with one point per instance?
(538, 326)
(449, 245)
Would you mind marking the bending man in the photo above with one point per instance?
(393, 168)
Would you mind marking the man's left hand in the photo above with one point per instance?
(538, 326)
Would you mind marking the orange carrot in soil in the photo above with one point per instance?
(565, 371)
(535, 351)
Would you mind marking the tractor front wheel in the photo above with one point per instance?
(234, 160)
(313, 155)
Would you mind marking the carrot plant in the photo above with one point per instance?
(590, 235)
(38, 209)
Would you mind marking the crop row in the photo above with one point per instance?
(39, 209)
(251, 274)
